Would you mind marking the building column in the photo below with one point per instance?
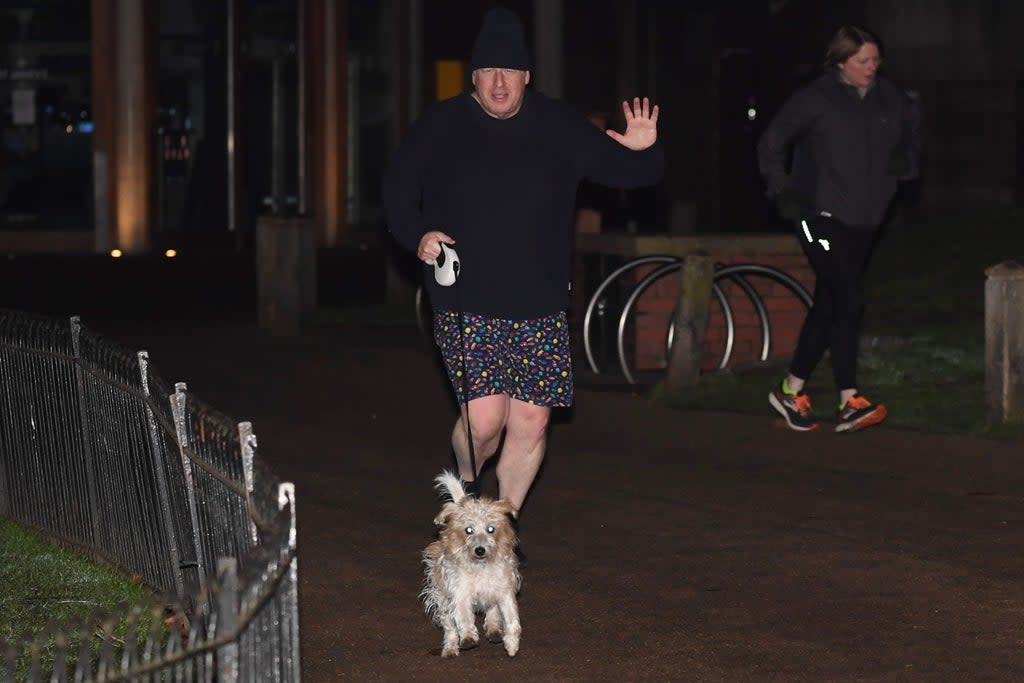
(233, 149)
(326, 60)
(124, 112)
(548, 41)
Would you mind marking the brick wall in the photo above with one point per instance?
(647, 328)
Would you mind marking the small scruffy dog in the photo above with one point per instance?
(472, 568)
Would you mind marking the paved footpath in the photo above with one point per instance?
(662, 545)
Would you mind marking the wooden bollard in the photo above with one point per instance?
(286, 269)
(1004, 342)
(691, 321)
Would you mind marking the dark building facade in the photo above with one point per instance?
(144, 124)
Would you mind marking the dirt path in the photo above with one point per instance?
(663, 546)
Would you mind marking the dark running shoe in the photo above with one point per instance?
(859, 413)
(795, 409)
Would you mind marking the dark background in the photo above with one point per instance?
(718, 69)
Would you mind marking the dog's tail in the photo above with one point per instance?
(450, 485)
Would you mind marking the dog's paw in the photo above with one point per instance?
(492, 625)
(511, 645)
(450, 645)
(469, 642)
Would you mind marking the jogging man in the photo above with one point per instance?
(494, 173)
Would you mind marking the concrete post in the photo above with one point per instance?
(286, 269)
(1004, 342)
(690, 321)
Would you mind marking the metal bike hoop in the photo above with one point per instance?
(640, 288)
(596, 297)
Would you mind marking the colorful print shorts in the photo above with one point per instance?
(526, 359)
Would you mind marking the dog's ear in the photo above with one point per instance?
(445, 513)
(507, 508)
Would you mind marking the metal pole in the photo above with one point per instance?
(276, 137)
(231, 86)
(247, 441)
(286, 496)
(181, 426)
(160, 471)
(98, 539)
(300, 127)
(227, 619)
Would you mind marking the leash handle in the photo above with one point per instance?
(446, 266)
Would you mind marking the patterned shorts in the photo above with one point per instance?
(526, 359)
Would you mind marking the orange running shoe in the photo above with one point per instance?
(859, 413)
(794, 408)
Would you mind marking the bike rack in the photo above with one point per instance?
(641, 287)
(732, 272)
(735, 272)
(597, 303)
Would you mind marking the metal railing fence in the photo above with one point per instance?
(98, 452)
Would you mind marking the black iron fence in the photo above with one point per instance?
(98, 452)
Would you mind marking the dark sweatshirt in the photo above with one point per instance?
(842, 148)
(504, 190)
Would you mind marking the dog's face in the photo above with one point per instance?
(478, 529)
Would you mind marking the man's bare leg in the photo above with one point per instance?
(487, 418)
(523, 452)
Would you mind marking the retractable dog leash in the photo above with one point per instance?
(446, 273)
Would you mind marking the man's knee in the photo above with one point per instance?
(487, 418)
(527, 420)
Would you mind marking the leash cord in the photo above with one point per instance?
(465, 375)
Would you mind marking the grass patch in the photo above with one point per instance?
(43, 582)
(926, 386)
(925, 305)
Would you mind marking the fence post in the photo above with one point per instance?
(5, 437)
(227, 619)
(691, 321)
(160, 470)
(5, 500)
(1004, 342)
(248, 442)
(181, 426)
(86, 424)
(286, 496)
(5, 504)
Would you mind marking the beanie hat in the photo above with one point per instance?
(500, 43)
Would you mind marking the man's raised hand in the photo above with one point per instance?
(641, 125)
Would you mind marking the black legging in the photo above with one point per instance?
(838, 255)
